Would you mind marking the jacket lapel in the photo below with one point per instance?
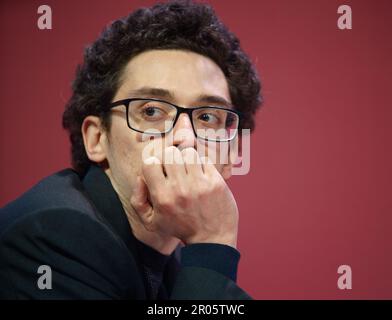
(111, 212)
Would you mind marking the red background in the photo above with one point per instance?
(318, 194)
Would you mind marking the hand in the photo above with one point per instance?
(187, 199)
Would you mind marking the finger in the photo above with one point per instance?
(192, 161)
(173, 162)
(208, 166)
(153, 174)
(140, 203)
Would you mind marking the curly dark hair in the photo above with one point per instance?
(184, 25)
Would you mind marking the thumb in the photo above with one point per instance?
(139, 201)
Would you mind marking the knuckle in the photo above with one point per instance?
(183, 201)
(180, 191)
(165, 203)
(205, 190)
(183, 196)
(136, 204)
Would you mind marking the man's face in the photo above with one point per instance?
(180, 77)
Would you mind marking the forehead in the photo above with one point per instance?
(186, 74)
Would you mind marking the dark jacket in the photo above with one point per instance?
(77, 226)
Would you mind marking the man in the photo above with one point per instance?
(127, 223)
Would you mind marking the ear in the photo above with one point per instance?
(94, 138)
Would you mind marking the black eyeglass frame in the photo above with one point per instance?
(180, 110)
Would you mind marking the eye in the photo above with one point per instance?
(152, 113)
(209, 117)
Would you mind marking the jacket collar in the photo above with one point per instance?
(108, 205)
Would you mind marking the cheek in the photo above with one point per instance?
(124, 157)
(130, 150)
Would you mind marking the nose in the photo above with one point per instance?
(183, 135)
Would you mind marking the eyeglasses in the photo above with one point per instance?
(158, 117)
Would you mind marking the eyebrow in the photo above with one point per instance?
(216, 100)
(150, 92)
